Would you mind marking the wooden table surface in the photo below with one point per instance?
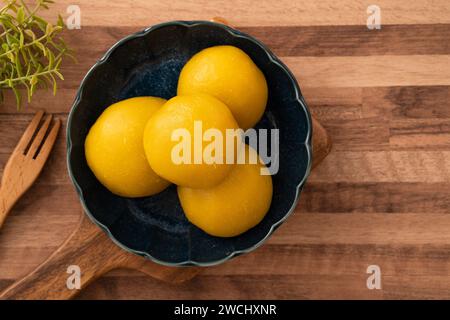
(382, 197)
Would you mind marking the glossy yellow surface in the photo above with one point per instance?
(232, 207)
(114, 149)
(182, 112)
(230, 75)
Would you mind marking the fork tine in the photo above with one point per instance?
(39, 136)
(28, 134)
(49, 142)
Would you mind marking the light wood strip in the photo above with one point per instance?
(384, 166)
(371, 71)
(257, 12)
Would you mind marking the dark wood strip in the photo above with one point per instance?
(390, 118)
(343, 286)
(387, 197)
(246, 286)
(348, 40)
(355, 133)
(410, 102)
(421, 134)
(354, 40)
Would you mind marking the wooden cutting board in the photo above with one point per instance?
(382, 197)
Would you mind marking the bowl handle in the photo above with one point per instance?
(90, 251)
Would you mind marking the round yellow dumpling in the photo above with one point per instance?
(230, 75)
(176, 142)
(235, 205)
(114, 149)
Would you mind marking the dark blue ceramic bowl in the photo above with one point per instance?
(148, 63)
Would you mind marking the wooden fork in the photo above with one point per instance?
(26, 161)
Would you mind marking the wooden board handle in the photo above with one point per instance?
(95, 254)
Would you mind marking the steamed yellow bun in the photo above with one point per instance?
(235, 205)
(229, 74)
(115, 152)
(182, 112)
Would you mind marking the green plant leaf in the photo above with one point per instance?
(31, 52)
(20, 15)
(18, 97)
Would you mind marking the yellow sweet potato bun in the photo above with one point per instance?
(173, 127)
(235, 205)
(114, 149)
(229, 74)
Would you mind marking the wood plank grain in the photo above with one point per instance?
(371, 71)
(370, 166)
(421, 65)
(26, 221)
(256, 12)
(12, 127)
(421, 134)
(228, 287)
(398, 286)
(384, 166)
(39, 218)
(42, 99)
(405, 269)
(420, 197)
(340, 71)
(304, 259)
(355, 122)
(38, 203)
(355, 40)
(360, 227)
(316, 259)
(300, 259)
(336, 259)
(400, 267)
(318, 41)
(366, 71)
(365, 228)
(382, 197)
(351, 134)
(49, 229)
(407, 102)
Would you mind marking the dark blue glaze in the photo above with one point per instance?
(148, 63)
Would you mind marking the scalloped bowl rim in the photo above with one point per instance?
(298, 98)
